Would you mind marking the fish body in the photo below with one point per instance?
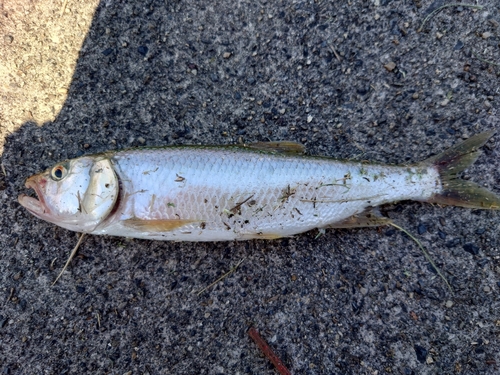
(238, 193)
(229, 194)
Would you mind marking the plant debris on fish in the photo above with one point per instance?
(264, 190)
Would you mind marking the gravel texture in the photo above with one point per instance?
(349, 79)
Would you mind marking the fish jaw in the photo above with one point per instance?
(36, 206)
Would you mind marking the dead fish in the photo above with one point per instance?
(263, 190)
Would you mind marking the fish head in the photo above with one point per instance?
(76, 194)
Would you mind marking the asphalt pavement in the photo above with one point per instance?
(348, 79)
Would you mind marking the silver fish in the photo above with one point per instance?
(262, 190)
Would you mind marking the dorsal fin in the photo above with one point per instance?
(284, 147)
(156, 225)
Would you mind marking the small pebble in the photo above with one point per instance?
(445, 102)
(80, 289)
(487, 289)
(439, 35)
(449, 304)
(8, 39)
(486, 35)
(421, 353)
(309, 119)
(390, 66)
(459, 45)
(421, 229)
(482, 262)
(471, 248)
(415, 95)
(143, 50)
(226, 55)
(390, 232)
(141, 140)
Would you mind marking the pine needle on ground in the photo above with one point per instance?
(426, 254)
(222, 277)
(436, 11)
(71, 256)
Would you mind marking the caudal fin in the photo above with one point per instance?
(457, 192)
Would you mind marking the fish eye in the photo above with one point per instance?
(58, 172)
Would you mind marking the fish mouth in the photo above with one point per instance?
(35, 206)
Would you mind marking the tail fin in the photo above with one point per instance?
(457, 192)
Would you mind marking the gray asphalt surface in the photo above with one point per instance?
(361, 301)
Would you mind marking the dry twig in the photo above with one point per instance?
(268, 352)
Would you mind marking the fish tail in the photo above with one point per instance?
(458, 192)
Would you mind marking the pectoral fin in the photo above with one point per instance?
(365, 219)
(285, 147)
(156, 225)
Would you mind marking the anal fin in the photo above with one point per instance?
(369, 218)
(259, 236)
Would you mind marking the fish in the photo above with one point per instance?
(263, 190)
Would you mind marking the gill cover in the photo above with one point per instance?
(102, 192)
